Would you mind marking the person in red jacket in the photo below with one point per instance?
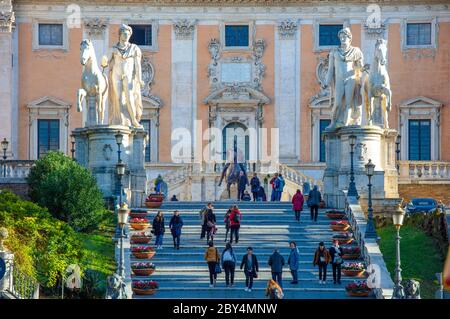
(235, 224)
(297, 204)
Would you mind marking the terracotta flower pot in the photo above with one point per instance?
(144, 291)
(342, 227)
(138, 214)
(335, 215)
(141, 240)
(351, 256)
(144, 271)
(353, 273)
(139, 226)
(144, 255)
(343, 241)
(358, 293)
(153, 204)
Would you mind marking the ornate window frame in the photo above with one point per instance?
(424, 108)
(251, 34)
(35, 30)
(316, 28)
(48, 108)
(434, 33)
(155, 32)
(320, 110)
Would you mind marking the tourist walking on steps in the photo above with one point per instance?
(336, 261)
(210, 219)
(272, 182)
(314, 199)
(175, 225)
(293, 262)
(212, 258)
(227, 222)
(322, 258)
(297, 204)
(229, 265)
(235, 224)
(242, 184)
(202, 215)
(255, 184)
(158, 229)
(276, 263)
(279, 186)
(250, 265)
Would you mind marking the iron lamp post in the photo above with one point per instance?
(370, 228)
(397, 150)
(122, 219)
(72, 150)
(5, 144)
(397, 218)
(352, 191)
(119, 139)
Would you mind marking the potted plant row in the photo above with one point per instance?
(154, 200)
(350, 252)
(139, 223)
(143, 268)
(341, 225)
(353, 269)
(358, 289)
(138, 214)
(144, 287)
(143, 252)
(141, 238)
(344, 238)
(335, 214)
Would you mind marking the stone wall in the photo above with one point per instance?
(20, 189)
(436, 191)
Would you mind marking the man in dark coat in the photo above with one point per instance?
(175, 225)
(242, 184)
(255, 183)
(276, 263)
(314, 199)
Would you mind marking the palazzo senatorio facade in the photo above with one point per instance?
(228, 64)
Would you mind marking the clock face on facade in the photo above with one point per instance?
(2, 268)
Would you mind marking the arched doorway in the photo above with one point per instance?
(229, 133)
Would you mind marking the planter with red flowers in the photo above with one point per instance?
(154, 200)
(143, 252)
(343, 238)
(144, 287)
(358, 289)
(139, 223)
(341, 225)
(353, 269)
(335, 214)
(140, 238)
(138, 214)
(143, 268)
(350, 252)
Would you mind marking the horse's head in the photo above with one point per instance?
(86, 51)
(381, 51)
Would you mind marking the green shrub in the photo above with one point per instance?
(68, 190)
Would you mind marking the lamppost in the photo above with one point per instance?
(120, 166)
(72, 150)
(5, 144)
(397, 150)
(352, 191)
(119, 138)
(122, 219)
(370, 228)
(397, 218)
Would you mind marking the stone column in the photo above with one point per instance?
(7, 25)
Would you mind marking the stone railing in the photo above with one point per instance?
(13, 170)
(297, 177)
(383, 284)
(424, 171)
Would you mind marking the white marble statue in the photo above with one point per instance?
(94, 85)
(343, 78)
(125, 78)
(376, 89)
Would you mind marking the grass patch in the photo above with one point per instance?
(420, 258)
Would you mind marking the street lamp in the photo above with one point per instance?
(352, 191)
(397, 149)
(120, 170)
(397, 218)
(5, 144)
(122, 220)
(72, 150)
(119, 138)
(370, 228)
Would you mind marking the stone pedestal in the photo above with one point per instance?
(96, 149)
(372, 143)
(5, 282)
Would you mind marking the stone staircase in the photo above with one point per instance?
(184, 274)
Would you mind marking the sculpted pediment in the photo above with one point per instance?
(236, 94)
(49, 102)
(420, 102)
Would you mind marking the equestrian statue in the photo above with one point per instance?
(232, 169)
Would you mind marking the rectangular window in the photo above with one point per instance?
(419, 140)
(50, 34)
(236, 36)
(328, 34)
(147, 127)
(142, 34)
(322, 126)
(418, 34)
(48, 136)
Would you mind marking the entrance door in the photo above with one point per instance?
(231, 131)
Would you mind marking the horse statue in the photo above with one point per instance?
(116, 288)
(375, 87)
(232, 170)
(94, 85)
